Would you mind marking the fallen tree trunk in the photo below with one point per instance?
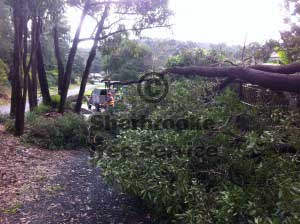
(273, 81)
(283, 69)
(261, 75)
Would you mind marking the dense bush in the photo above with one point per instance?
(240, 167)
(62, 132)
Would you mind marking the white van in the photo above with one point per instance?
(98, 99)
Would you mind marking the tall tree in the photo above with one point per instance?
(126, 59)
(123, 16)
(71, 58)
(6, 33)
(291, 38)
(20, 66)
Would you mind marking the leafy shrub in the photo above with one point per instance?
(3, 73)
(9, 125)
(31, 116)
(52, 77)
(55, 100)
(64, 132)
(3, 118)
(239, 169)
(42, 108)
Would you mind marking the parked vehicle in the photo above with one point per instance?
(99, 96)
(98, 99)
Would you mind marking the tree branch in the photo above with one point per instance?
(273, 81)
(123, 31)
(268, 80)
(284, 69)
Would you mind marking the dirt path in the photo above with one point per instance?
(41, 187)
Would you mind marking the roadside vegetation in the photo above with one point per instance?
(236, 168)
(58, 132)
(200, 154)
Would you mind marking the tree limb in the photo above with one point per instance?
(273, 81)
(268, 80)
(284, 69)
(123, 31)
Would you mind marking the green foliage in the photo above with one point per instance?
(3, 118)
(283, 55)
(6, 33)
(63, 132)
(193, 57)
(238, 169)
(3, 73)
(9, 125)
(52, 77)
(291, 38)
(127, 60)
(42, 108)
(55, 100)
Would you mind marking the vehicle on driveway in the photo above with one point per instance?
(99, 96)
(98, 99)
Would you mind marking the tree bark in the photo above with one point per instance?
(70, 62)
(41, 69)
(18, 17)
(13, 102)
(273, 81)
(283, 69)
(90, 60)
(60, 65)
(32, 82)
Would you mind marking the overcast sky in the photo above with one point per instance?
(215, 21)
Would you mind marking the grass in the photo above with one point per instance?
(53, 89)
(12, 210)
(54, 189)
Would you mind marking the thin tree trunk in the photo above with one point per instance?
(60, 65)
(32, 82)
(41, 70)
(90, 60)
(13, 103)
(70, 62)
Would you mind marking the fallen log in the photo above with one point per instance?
(269, 80)
(283, 69)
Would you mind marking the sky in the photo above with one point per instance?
(214, 21)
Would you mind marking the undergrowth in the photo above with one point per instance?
(243, 167)
(62, 132)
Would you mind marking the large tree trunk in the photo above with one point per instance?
(70, 62)
(18, 17)
(283, 69)
(90, 60)
(41, 69)
(273, 81)
(60, 65)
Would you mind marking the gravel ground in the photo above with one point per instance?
(41, 187)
